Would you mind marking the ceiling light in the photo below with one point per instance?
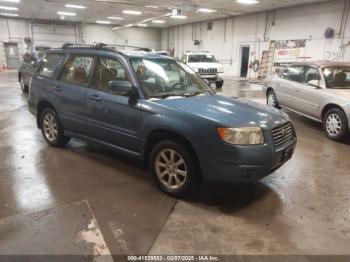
(247, 2)
(142, 25)
(131, 12)
(76, 6)
(115, 18)
(129, 25)
(8, 8)
(207, 10)
(158, 21)
(152, 6)
(66, 13)
(103, 22)
(10, 1)
(179, 16)
(8, 14)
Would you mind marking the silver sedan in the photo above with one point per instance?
(318, 90)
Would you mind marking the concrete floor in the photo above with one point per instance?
(303, 208)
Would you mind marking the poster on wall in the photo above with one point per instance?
(288, 50)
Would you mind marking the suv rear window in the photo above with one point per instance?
(49, 64)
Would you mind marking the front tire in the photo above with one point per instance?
(335, 124)
(271, 99)
(219, 84)
(173, 168)
(51, 128)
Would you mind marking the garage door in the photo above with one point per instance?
(53, 35)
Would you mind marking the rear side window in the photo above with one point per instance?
(292, 73)
(77, 70)
(49, 64)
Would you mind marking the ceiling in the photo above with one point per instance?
(101, 9)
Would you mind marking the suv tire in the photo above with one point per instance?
(271, 99)
(173, 168)
(219, 84)
(335, 124)
(24, 87)
(51, 128)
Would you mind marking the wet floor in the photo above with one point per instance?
(303, 208)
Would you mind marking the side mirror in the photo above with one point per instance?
(314, 83)
(121, 87)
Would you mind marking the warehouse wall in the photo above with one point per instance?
(14, 30)
(256, 30)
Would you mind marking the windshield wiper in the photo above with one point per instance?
(167, 95)
(195, 93)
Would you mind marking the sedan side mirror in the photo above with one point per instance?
(121, 87)
(314, 83)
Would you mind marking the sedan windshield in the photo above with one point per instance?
(201, 59)
(337, 77)
(161, 78)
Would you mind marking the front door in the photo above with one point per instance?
(113, 117)
(12, 57)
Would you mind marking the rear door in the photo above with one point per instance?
(308, 95)
(286, 85)
(71, 89)
(113, 117)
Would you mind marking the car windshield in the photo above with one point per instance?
(201, 58)
(337, 77)
(161, 78)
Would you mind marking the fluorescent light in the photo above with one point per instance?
(8, 14)
(207, 10)
(142, 25)
(247, 2)
(179, 16)
(66, 13)
(103, 22)
(152, 6)
(8, 8)
(75, 6)
(158, 21)
(129, 25)
(132, 12)
(10, 1)
(115, 18)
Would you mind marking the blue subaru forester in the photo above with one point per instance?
(156, 109)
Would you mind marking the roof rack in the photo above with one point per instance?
(67, 45)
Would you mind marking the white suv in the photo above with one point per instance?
(205, 64)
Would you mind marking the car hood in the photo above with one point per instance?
(205, 65)
(344, 93)
(229, 112)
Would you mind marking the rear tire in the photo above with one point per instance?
(51, 128)
(24, 87)
(173, 168)
(271, 99)
(335, 124)
(219, 84)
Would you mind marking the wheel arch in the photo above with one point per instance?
(161, 134)
(268, 89)
(41, 106)
(329, 106)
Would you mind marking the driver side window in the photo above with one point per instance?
(107, 70)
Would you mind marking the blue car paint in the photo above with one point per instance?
(125, 124)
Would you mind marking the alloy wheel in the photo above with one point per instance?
(50, 127)
(171, 169)
(271, 100)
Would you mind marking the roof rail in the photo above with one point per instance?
(67, 45)
(100, 45)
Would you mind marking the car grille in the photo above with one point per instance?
(282, 134)
(210, 71)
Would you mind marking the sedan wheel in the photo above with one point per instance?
(171, 169)
(335, 124)
(271, 99)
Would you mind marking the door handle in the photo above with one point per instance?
(95, 98)
(57, 89)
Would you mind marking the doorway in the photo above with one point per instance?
(244, 60)
(12, 57)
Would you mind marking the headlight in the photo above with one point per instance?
(242, 135)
